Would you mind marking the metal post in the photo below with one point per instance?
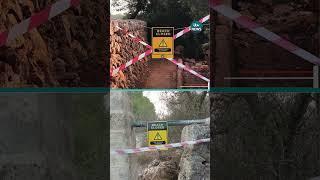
(174, 122)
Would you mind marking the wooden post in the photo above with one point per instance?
(316, 74)
(221, 48)
(179, 75)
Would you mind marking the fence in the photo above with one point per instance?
(115, 71)
(174, 130)
(246, 22)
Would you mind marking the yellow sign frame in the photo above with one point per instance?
(157, 133)
(162, 42)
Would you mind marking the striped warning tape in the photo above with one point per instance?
(246, 22)
(130, 62)
(158, 147)
(188, 29)
(136, 39)
(188, 69)
(36, 20)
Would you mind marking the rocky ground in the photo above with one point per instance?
(64, 52)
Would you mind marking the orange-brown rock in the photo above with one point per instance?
(72, 38)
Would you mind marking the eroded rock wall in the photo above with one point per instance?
(195, 159)
(66, 51)
(123, 48)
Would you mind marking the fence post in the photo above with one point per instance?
(221, 48)
(315, 76)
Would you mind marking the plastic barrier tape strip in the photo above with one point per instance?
(246, 22)
(158, 147)
(130, 62)
(36, 20)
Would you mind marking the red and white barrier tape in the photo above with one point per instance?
(136, 39)
(188, 69)
(36, 20)
(246, 22)
(158, 147)
(187, 29)
(129, 63)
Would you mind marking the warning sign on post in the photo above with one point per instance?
(157, 133)
(162, 42)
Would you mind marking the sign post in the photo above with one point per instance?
(157, 133)
(162, 42)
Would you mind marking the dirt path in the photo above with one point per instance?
(162, 74)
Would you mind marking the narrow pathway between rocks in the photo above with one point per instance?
(162, 74)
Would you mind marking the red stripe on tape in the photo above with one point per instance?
(3, 38)
(122, 67)
(286, 44)
(186, 30)
(247, 22)
(136, 39)
(75, 3)
(39, 18)
(152, 147)
(135, 59)
(184, 144)
(136, 150)
(120, 151)
(148, 52)
(159, 147)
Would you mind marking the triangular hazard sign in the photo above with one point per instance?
(157, 137)
(163, 43)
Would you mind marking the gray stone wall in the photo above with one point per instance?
(121, 136)
(35, 138)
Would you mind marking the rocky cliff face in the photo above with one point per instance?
(66, 51)
(123, 48)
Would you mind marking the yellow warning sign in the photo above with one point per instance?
(162, 42)
(158, 136)
(157, 133)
